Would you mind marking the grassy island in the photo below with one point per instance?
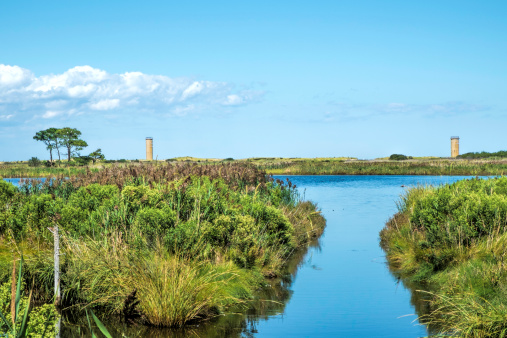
(452, 242)
(161, 245)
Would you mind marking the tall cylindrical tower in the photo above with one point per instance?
(149, 149)
(454, 146)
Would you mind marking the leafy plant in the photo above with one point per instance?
(18, 325)
(99, 324)
(34, 162)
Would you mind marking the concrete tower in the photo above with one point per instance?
(149, 149)
(454, 146)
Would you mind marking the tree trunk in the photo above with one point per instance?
(68, 153)
(58, 150)
(51, 155)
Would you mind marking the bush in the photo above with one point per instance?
(82, 160)
(399, 157)
(462, 212)
(34, 162)
(153, 223)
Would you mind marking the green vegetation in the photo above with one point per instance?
(97, 155)
(24, 169)
(452, 241)
(384, 167)
(162, 244)
(50, 139)
(68, 139)
(34, 162)
(484, 154)
(399, 157)
(18, 316)
(280, 166)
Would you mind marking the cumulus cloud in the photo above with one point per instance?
(84, 89)
(11, 76)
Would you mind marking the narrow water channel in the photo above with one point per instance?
(344, 288)
(341, 286)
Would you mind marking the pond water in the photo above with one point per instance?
(341, 286)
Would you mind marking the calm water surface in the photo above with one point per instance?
(343, 287)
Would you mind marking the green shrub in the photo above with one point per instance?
(7, 191)
(399, 157)
(34, 162)
(462, 212)
(153, 223)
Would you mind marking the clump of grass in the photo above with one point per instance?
(170, 290)
(466, 315)
(173, 291)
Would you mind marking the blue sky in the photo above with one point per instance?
(248, 79)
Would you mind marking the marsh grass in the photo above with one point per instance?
(380, 167)
(163, 244)
(466, 315)
(170, 290)
(287, 166)
(452, 240)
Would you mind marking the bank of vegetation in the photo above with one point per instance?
(158, 245)
(484, 154)
(285, 166)
(385, 167)
(452, 242)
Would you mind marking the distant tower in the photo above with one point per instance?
(454, 146)
(149, 149)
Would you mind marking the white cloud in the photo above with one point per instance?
(51, 113)
(233, 100)
(192, 90)
(13, 76)
(85, 89)
(105, 104)
(6, 117)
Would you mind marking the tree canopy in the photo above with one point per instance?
(97, 155)
(50, 139)
(67, 137)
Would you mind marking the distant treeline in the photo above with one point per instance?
(484, 154)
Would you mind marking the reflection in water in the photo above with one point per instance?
(420, 298)
(270, 300)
